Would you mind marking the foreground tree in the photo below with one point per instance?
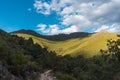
(113, 50)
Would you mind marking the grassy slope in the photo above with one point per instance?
(88, 46)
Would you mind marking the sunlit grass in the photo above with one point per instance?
(88, 46)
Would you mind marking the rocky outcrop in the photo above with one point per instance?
(6, 75)
(48, 75)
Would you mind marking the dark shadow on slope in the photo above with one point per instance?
(59, 37)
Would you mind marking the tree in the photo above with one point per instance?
(113, 50)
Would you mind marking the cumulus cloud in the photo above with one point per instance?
(82, 14)
(114, 28)
(103, 27)
(42, 7)
(71, 29)
(42, 27)
(54, 29)
(77, 20)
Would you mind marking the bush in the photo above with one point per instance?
(61, 76)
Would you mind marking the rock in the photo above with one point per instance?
(48, 75)
(6, 75)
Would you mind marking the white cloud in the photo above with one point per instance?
(54, 29)
(72, 28)
(114, 28)
(77, 20)
(103, 27)
(42, 7)
(67, 10)
(41, 27)
(48, 29)
(84, 14)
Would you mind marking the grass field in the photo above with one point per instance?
(88, 46)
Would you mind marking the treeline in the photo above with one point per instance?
(22, 56)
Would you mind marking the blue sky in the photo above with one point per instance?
(20, 14)
(60, 16)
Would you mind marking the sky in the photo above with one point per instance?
(50, 17)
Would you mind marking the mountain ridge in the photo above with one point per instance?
(59, 37)
(88, 46)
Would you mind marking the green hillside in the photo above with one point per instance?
(88, 46)
(21, 59)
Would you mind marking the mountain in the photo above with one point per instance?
(23, 59)
(89, 45)
(59, 37)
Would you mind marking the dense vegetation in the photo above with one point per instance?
(20, 56)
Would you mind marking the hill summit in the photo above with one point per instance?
(88, 44)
